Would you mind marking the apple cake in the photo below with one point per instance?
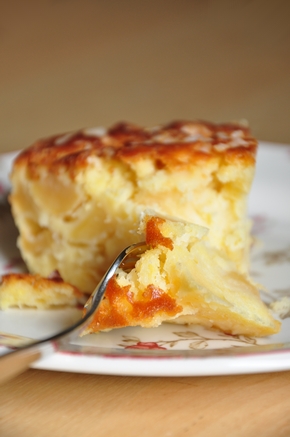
(24, 290)
(181, 278)
(77, 198)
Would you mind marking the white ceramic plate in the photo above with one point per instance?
(173, 350)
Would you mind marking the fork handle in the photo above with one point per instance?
(12, 364)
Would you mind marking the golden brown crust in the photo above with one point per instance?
(153, 234)
(38, 281)
(121, 308)
(173, 145)
(32, 290)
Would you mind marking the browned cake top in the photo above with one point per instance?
(176, 144)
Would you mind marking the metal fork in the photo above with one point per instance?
(15, 362)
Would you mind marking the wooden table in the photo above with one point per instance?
(66, 65)
(40, 403)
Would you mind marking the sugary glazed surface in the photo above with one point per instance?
(176, 144)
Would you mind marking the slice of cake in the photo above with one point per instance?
(24, 290)
(181, 278)
(77, 198)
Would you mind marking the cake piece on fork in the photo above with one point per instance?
(182, 279)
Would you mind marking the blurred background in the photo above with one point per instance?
(68, 64)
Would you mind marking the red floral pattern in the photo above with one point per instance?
(14, 262)
(259, 223)
(145, 345)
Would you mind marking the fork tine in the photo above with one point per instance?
(132, 256)
(126, 260)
